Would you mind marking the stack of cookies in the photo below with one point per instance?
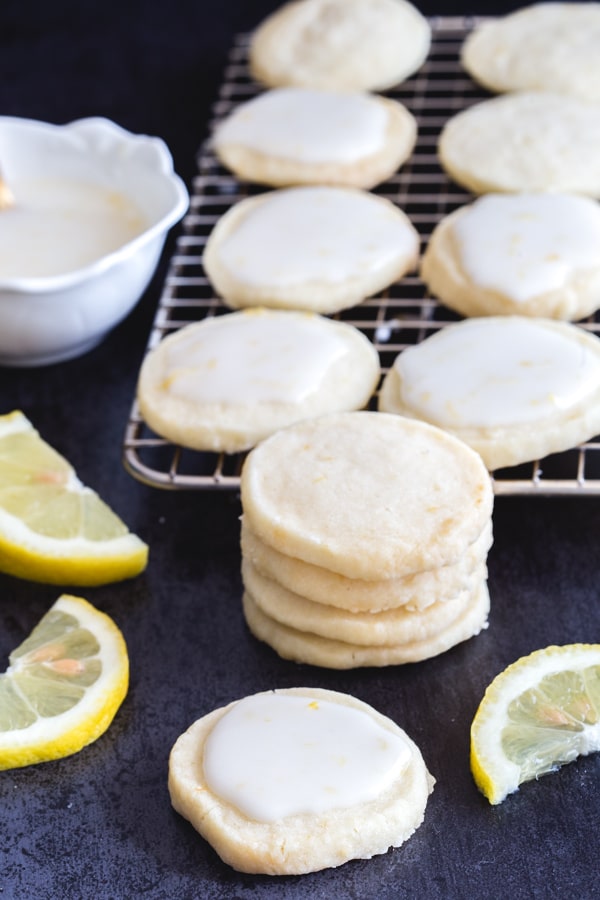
(364, 540)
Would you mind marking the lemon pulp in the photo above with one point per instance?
(63, 686)
(53, 528)
(541, 712)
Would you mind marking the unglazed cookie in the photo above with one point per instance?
(322, 249)
(355, 595)
(290, 136)
(367, 495)
(227, 382)
(330, 653)
(513, 388)
(524, 254)
(260, 780)
(388, 628)
(347, 44)
(527, 141)
(546, 46)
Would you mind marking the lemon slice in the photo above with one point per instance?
(539, 713)
(63, 685)
(53, 528)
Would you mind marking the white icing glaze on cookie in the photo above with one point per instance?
(308, 126)
(276, 755)
(204, 367)
(497, 372)
(524, 245)
(319, 234)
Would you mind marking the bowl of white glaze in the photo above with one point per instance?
(93, 204)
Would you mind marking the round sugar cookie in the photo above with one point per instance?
(260, 780)
(526, 141)
(289, 136)
(321, 249)
(372, 629)
(518, 254)
(515, 389)
(367, 495)
(545, 47)
(227, 382)
(329, 653)
(348, 44)
(413, 592)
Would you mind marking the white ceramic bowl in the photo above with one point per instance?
(55, 303)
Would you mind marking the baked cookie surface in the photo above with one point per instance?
(518, 254)
(356, 595)
(385, 628)
(295, 135)
(545, 46)
(527, 141)
(332, 653)
(347, 44)
(515, 389)
(367, 495)
(261, 782)
(227, 382)
(322, 249)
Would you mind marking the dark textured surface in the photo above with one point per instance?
(99, 824)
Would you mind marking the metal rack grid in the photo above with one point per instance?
(400, 316)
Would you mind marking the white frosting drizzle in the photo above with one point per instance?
(524, 245)
(496, 372)
(307, 125)
(321, 234)
(250, 357)
(277, 755)
(58, 226)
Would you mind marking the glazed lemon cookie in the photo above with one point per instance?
(285, 805)
(295, 135)
(545, 46)
(412, 592)
(226, 382)
(322, 249)
(307, 647)
(526, 141)
(524, 254)
(367, 495)
(347, 44)
(513, 388)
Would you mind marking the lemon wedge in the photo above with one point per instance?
(539, 713)
(63, 686)
(53, 528)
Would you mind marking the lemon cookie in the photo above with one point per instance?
(389, 627)
(413, 592)
(525, 141)
(331, 653)
(525, 254)
(545, 46)
(260, 780)
(513, 388)
(367, 495)
(293, 135)
(226, 382)
(348, 44)
(316, 248)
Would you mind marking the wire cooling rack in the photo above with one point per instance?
(393, 320)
